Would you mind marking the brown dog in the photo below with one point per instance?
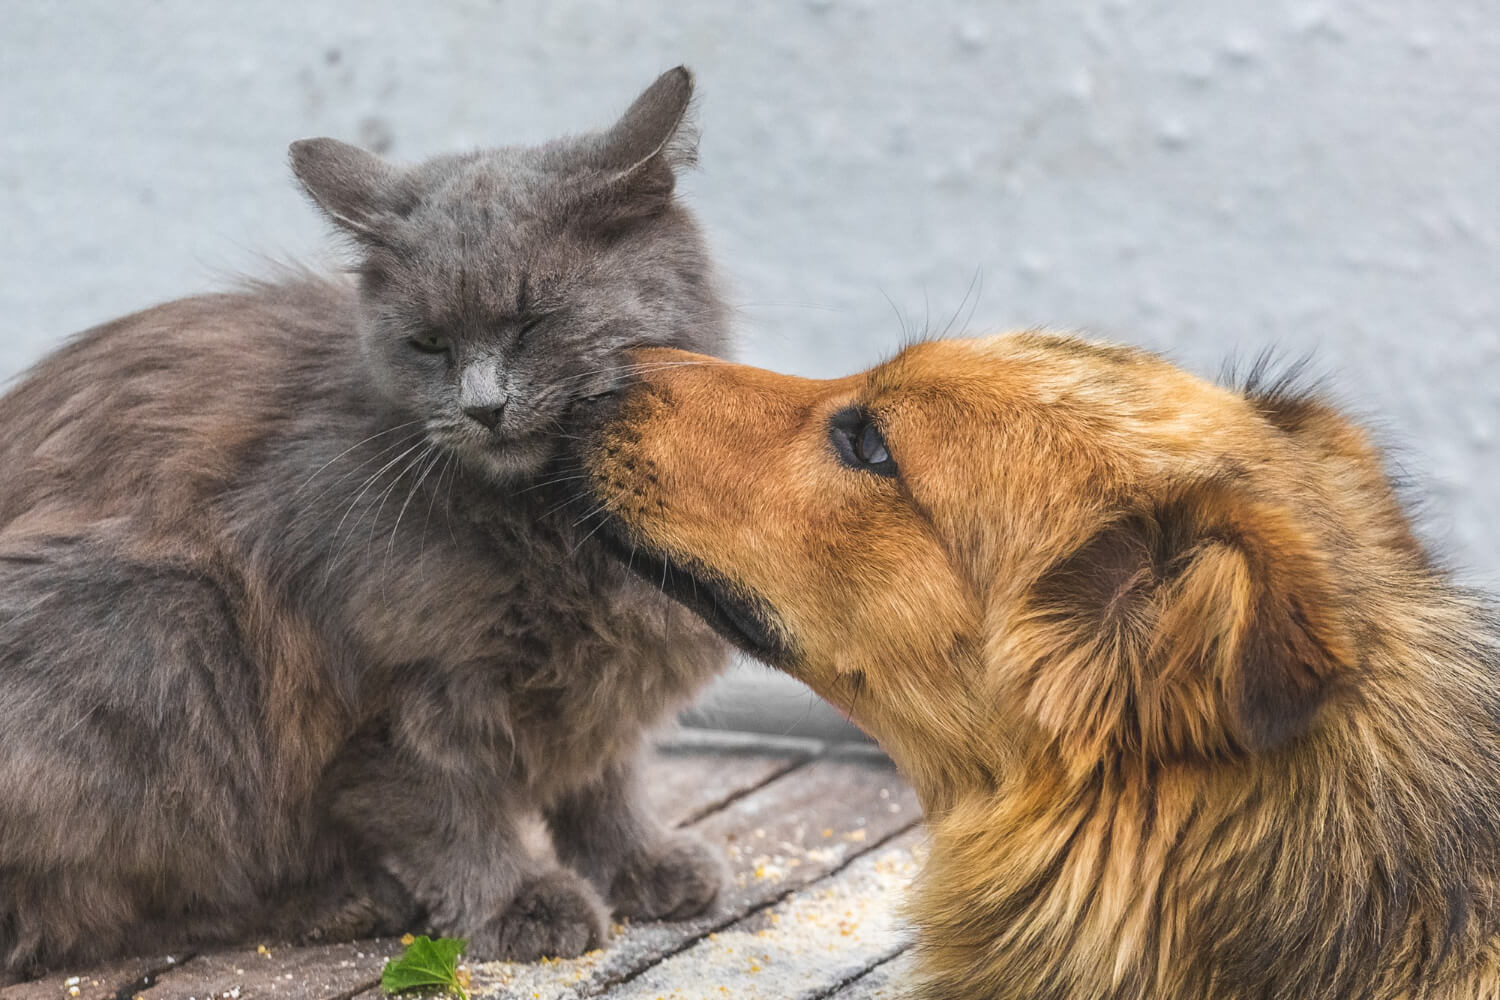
(1191, 713)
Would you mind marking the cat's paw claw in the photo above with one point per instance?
(556, 915)
(675, 879)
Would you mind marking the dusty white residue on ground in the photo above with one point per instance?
(813, 940)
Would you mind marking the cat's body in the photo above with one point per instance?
(283, 651)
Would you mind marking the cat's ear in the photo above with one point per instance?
(356, 189)
(641, 154)
(654, 127)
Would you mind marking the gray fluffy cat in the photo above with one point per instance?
(291, 639)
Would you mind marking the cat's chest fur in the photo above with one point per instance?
(531, 624)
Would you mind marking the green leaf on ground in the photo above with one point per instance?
(425, 964)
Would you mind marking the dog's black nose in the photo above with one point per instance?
(489, 416)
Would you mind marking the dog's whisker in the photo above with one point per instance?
(900, 317)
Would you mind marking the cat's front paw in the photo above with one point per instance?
(556, 915)
(674, 879)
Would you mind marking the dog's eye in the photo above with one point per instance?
(869, 446)
(859, 443)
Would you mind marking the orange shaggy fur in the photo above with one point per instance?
(1191, 714)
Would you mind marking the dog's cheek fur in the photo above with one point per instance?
(882, 622)
(1197, 624)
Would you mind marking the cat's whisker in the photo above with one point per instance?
(400, 442)
(602, 522)
(437, 487)
(390, 489)
(560, 505)
(603, 506)
(561, 431)
(634, 368)
(645, 367)
(551, 482)
(650, 367)
(585, 538)
(457, 467)
(337, 531)
(596, 372)
(357, 444)
(431, 457)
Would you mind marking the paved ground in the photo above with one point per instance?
(821, 838)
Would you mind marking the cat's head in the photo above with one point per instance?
(500, 287)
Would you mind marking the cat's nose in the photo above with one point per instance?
(489, 416)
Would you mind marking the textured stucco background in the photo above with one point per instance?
(1208, 178)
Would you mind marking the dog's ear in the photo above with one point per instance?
(1201, 623)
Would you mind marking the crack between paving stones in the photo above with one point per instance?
(860, 975)
(683, 946)
(734, 797)
(355, 991)
(152, 977)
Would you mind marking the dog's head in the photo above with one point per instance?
(1013, 545)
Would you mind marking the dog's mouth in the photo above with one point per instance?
(743, 621)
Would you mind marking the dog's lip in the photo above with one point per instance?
(736, 618)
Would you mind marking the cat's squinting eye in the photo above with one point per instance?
(429, 343)
(527, 326)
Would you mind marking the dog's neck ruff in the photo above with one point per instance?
(1361, 862)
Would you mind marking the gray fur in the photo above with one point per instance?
(290, 643)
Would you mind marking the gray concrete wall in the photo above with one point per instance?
(1207, 178)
